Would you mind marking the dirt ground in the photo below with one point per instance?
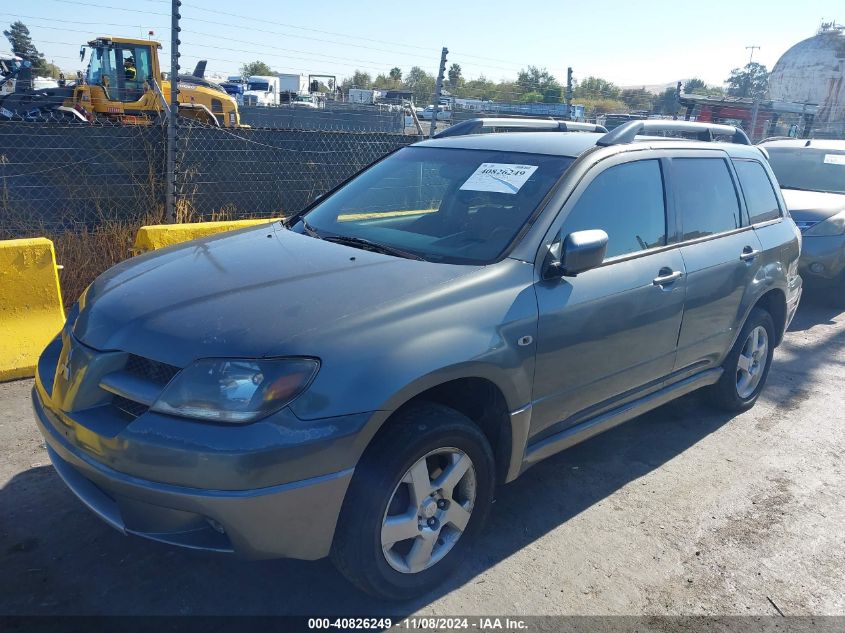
(683, 511)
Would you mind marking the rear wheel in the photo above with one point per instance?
(420, 494)
(747, 366)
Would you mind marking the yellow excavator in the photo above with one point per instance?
(124, 83)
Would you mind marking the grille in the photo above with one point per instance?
(155, 372)
(129, 407)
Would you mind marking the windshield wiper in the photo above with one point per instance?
(310, 230)
(371, 246)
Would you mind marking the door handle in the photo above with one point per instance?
(748, 254)
(668, 278)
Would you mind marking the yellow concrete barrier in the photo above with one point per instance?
(153, 237)
(31, 311)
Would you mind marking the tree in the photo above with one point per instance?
(360, 79)
(455, 75)
(22, 46)
(667, 103)
(695, 86)
(396, 73)
(752, 80)
(531, 97)
(480, 88)
(596, 88)
(637, 98)
(533, 79)
(602, 106)
(421, 84)
(255, 68)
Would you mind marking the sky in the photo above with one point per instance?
(630, 44)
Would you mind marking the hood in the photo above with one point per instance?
(812, 206)
(263, 291)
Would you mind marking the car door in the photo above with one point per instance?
(609, 334)
(721, 255)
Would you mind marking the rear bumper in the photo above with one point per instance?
(293, 520)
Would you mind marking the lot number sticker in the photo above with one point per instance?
(499, 178)
(834, 159)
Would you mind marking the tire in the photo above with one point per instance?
(734, 392)
(383, 487)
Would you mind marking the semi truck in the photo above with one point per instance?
(262, 90)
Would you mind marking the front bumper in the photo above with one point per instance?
(295, 520)
(822, 258)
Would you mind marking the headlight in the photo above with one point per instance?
(834, 225)
(235, 391)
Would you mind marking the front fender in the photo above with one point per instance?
(471, 327)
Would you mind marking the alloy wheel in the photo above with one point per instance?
(752, 362)
(428, 510)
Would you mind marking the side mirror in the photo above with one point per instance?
(579, 251)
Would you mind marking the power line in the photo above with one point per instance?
(283, 34)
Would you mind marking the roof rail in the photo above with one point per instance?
(628, 132)
(479, 126)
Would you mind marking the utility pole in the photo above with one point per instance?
(755, 109)
(173, 119)
(751, 57)
(438, 88)
(568, 96)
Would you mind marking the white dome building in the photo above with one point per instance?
(813, 72)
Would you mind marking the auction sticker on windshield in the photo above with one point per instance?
(834, 159)
(499, 178)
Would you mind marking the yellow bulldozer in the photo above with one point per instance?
(124, 83)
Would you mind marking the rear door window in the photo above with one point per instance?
(627, 202)
(758, 191)
(705, 196)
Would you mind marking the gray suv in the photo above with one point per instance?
(355, 382)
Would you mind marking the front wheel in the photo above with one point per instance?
(421, 492)
(747, 365)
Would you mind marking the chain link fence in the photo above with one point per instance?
(60, 176)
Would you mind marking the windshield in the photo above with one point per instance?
(101, 67)
(303, 98)
(808, 168)
(263, 86)
(447, 205)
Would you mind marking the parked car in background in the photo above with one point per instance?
(305, 101)
(811, 174)
(355, 382)
(444, 113)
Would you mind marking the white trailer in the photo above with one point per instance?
(360, 95)
(293, 83)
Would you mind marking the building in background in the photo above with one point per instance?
(813, 72)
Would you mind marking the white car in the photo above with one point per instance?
(305, 101)
(443, 114)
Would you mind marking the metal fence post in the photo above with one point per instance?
(438, 88)
(173, 119)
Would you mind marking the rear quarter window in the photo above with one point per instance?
(758, 190)
(706, 197)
